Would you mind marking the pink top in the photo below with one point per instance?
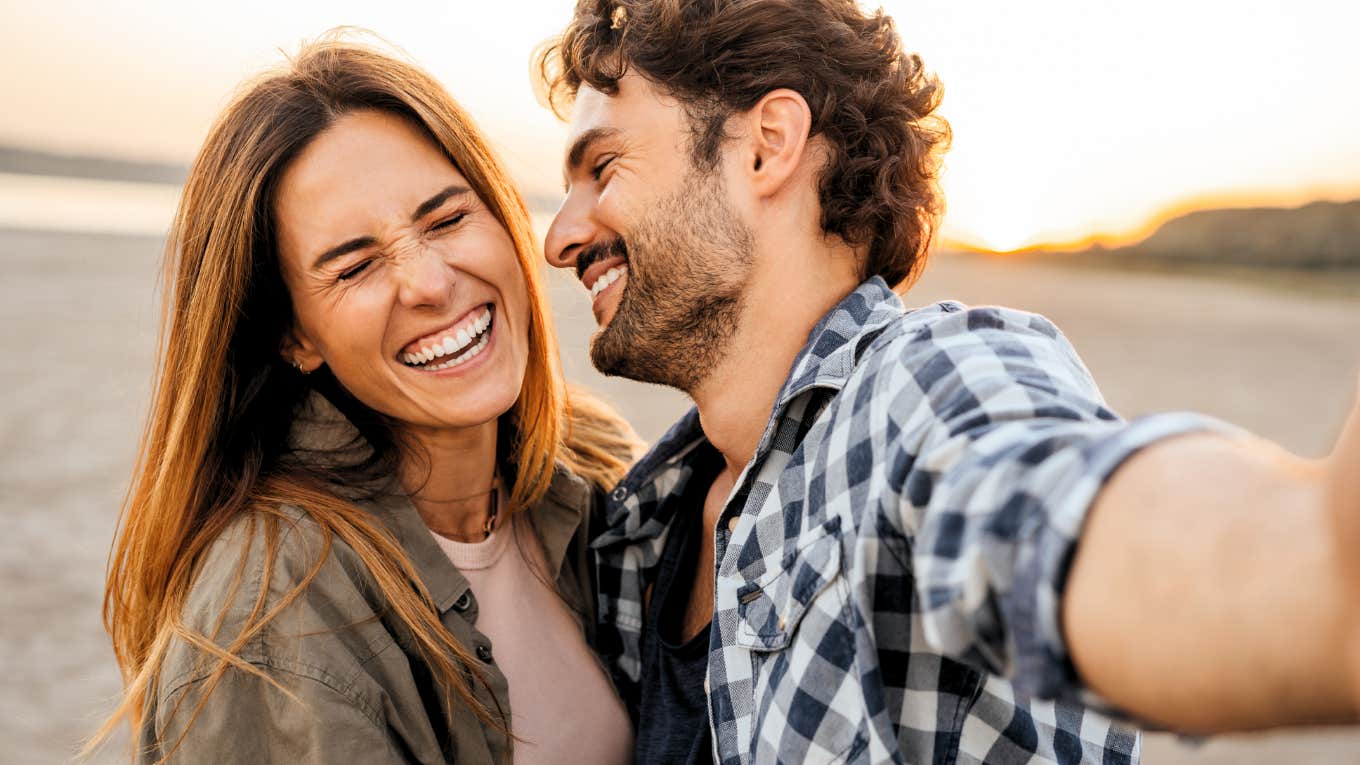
(563, 706)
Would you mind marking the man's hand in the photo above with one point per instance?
(1343, 471)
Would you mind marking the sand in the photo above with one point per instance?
(80, 315)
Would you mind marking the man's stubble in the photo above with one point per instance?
(689, 262)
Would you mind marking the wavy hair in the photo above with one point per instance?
(872, 103)
(215, 447)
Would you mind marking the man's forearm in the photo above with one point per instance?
(1207, 594)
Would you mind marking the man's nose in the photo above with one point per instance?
(572, 229)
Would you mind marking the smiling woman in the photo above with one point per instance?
(362, 469)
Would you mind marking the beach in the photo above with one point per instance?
(81, 314)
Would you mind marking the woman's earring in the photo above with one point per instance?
(298, 365)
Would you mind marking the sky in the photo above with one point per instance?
(1072, 120)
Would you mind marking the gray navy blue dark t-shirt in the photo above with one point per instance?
(673, 711)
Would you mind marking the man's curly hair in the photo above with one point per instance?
(872, 103)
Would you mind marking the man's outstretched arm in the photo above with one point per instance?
(1216, 585)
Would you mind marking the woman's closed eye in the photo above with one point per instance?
(449, 222)
(352, 271)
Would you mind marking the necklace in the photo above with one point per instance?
(492, 511)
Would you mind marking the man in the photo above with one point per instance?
(892, 535)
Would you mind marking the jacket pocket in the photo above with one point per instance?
(770, 608)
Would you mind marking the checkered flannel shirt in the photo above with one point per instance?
(891, 564)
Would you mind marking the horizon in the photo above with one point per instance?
(139, 181)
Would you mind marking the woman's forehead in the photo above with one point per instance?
(368, 170)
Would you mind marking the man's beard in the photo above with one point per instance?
(689, 261)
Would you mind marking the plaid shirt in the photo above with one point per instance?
(897, 546)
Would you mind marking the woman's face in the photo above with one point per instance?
(402, 281)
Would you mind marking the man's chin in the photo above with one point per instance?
(614, 356)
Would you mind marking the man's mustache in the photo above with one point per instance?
(614, 248)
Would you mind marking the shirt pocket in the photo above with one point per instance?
(770, 608)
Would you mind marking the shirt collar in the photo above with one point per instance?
(323, 435)
(838, 339)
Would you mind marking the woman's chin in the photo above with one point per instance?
(464, 401)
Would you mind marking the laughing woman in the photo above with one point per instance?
(358, 529)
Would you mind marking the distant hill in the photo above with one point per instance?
(1317, 235)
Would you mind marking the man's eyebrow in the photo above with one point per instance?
(435, 201)
(359, 243)
(581, 145)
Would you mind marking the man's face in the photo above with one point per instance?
(651, 236)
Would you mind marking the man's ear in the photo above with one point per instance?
(298, 351)
(779, 125)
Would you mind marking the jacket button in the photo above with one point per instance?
(463, 602)
(484, 653)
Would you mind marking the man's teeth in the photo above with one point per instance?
(453, 343)
(609, 277)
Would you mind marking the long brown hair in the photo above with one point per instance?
(215, 447)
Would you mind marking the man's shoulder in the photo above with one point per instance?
(952, 340)
(950, 322)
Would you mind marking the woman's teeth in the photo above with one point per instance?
(608, 278)
(476, 350)
(454, 345)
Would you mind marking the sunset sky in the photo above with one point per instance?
(1072, 119)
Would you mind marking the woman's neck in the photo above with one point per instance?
(449, 478)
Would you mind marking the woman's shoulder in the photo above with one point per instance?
(318, 596)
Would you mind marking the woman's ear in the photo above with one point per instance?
(779, 126)
(299, 352)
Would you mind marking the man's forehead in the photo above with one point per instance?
(635, 104)
(590, 110)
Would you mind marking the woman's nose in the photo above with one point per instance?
(427, 279)
(572, 229)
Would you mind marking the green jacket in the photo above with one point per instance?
(362, 693)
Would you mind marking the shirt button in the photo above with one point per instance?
(732, 524)
(619, 494)
(484, 653)
(463, 601)
(781, 622)
(705, 685)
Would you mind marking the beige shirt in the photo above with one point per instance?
(564, 707)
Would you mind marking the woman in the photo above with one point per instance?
(358, 528)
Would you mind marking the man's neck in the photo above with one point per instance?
(784, 301)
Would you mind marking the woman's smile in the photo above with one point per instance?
(456, 349)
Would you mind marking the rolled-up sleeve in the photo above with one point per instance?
(1006, 443)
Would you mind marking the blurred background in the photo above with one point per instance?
(1176, 184)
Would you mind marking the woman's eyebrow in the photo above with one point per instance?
(435, 201)
(343, 249)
